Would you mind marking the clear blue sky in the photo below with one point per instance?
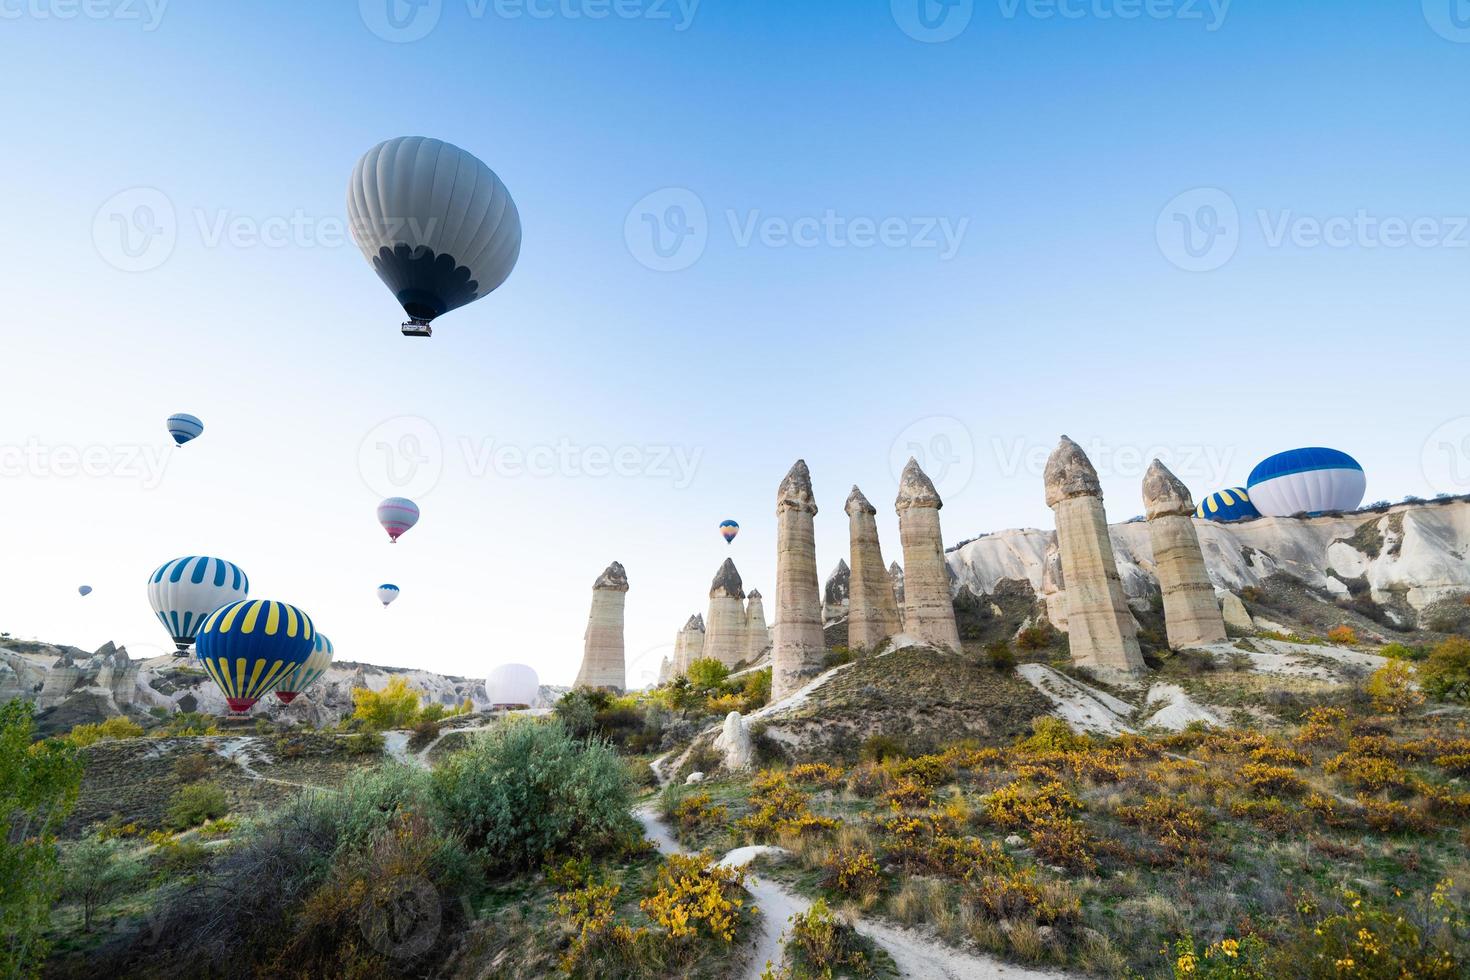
(1055, 144)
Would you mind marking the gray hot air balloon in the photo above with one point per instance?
(438, 226)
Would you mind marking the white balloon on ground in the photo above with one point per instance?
(513, 685)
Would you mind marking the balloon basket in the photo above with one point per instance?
(417, 328)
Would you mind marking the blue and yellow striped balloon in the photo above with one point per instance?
(308, 673)
(1233, 504)
(250, 647)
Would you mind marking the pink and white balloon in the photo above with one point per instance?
(397, 515)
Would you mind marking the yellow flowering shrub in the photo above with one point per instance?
(851, 871)
(818, 774)
(908, 795)
(694, 894)
(1323, 726)
(1267, 780)
(695, 812)
(1019, 805)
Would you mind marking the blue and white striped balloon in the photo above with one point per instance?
(387, 593)
(184, 427)
(1310, 480)
(184, 591)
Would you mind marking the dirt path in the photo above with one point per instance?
(915, 954)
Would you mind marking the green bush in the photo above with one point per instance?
(189, 723)
(118, 727)
(529, 788)
(707, 674)
(881, 748)
(196, 803)
(1398, 651)
(1446, 673)
(365, 743)
(96, 870)
(38, 787)
(1000, 656)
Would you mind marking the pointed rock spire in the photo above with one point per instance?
(915, 489)
(727, 582)
(795, 491)
(1192, 617)
(798, 646)
(1164, 493)
(858, 504)
(613, 578)
(1069, 473)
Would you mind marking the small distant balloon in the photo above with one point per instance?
(397, 515)
(184, 427)
(387, 593)
(84, 590)
(728, 529)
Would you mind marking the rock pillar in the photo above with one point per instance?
(688, 645)
(724, 636)
(928, 611)
(1191, 615)
(1100, 629)
(757, 633)
(603, 666)
(836, 593)
(872, 611)
(798, 646)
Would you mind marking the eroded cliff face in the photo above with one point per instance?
(1406, 559)
(71, 686)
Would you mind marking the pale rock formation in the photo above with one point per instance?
(798, 647)
(928, 611)
(119, 675)
(603, 663)
(1191, 614)
(896, 574)
(734, 743)
(724, 637)
(1235, 614)
(1100, 629)
(872, 611)
(61, 678)
(688, 645)
(665, 671)
(836, 593)
(757, 633)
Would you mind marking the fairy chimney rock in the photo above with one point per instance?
(603, 663)
(928, 610)
(1192, 617)
(1101, 631)
(798, 646)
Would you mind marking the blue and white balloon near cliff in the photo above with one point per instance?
(1312, 480)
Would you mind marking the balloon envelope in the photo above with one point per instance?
(1232, 504)
(249, 647)
(435, 223)
(728, 529)
(397, 515)
(387, 593)
(184, 591)
(309, 672)
(513, 685)
(1313, 480)
(84, 590)
(184, 427)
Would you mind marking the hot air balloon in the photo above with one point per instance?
(387, 593)
(249, 647)
(1311, 480)
(513, 686)
(397, 515)
(438, 226)
(185, 590)
(729, 529)
(306, 675)
(184, 427)
(84, 590)
(1232, 504)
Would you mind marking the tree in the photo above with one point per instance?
(707, 674)
(395, 706)
(96, 870)
(38, 787)
(1446, 674)
(1392, 688)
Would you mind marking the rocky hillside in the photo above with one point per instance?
(71, 686)
(1407, 560)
